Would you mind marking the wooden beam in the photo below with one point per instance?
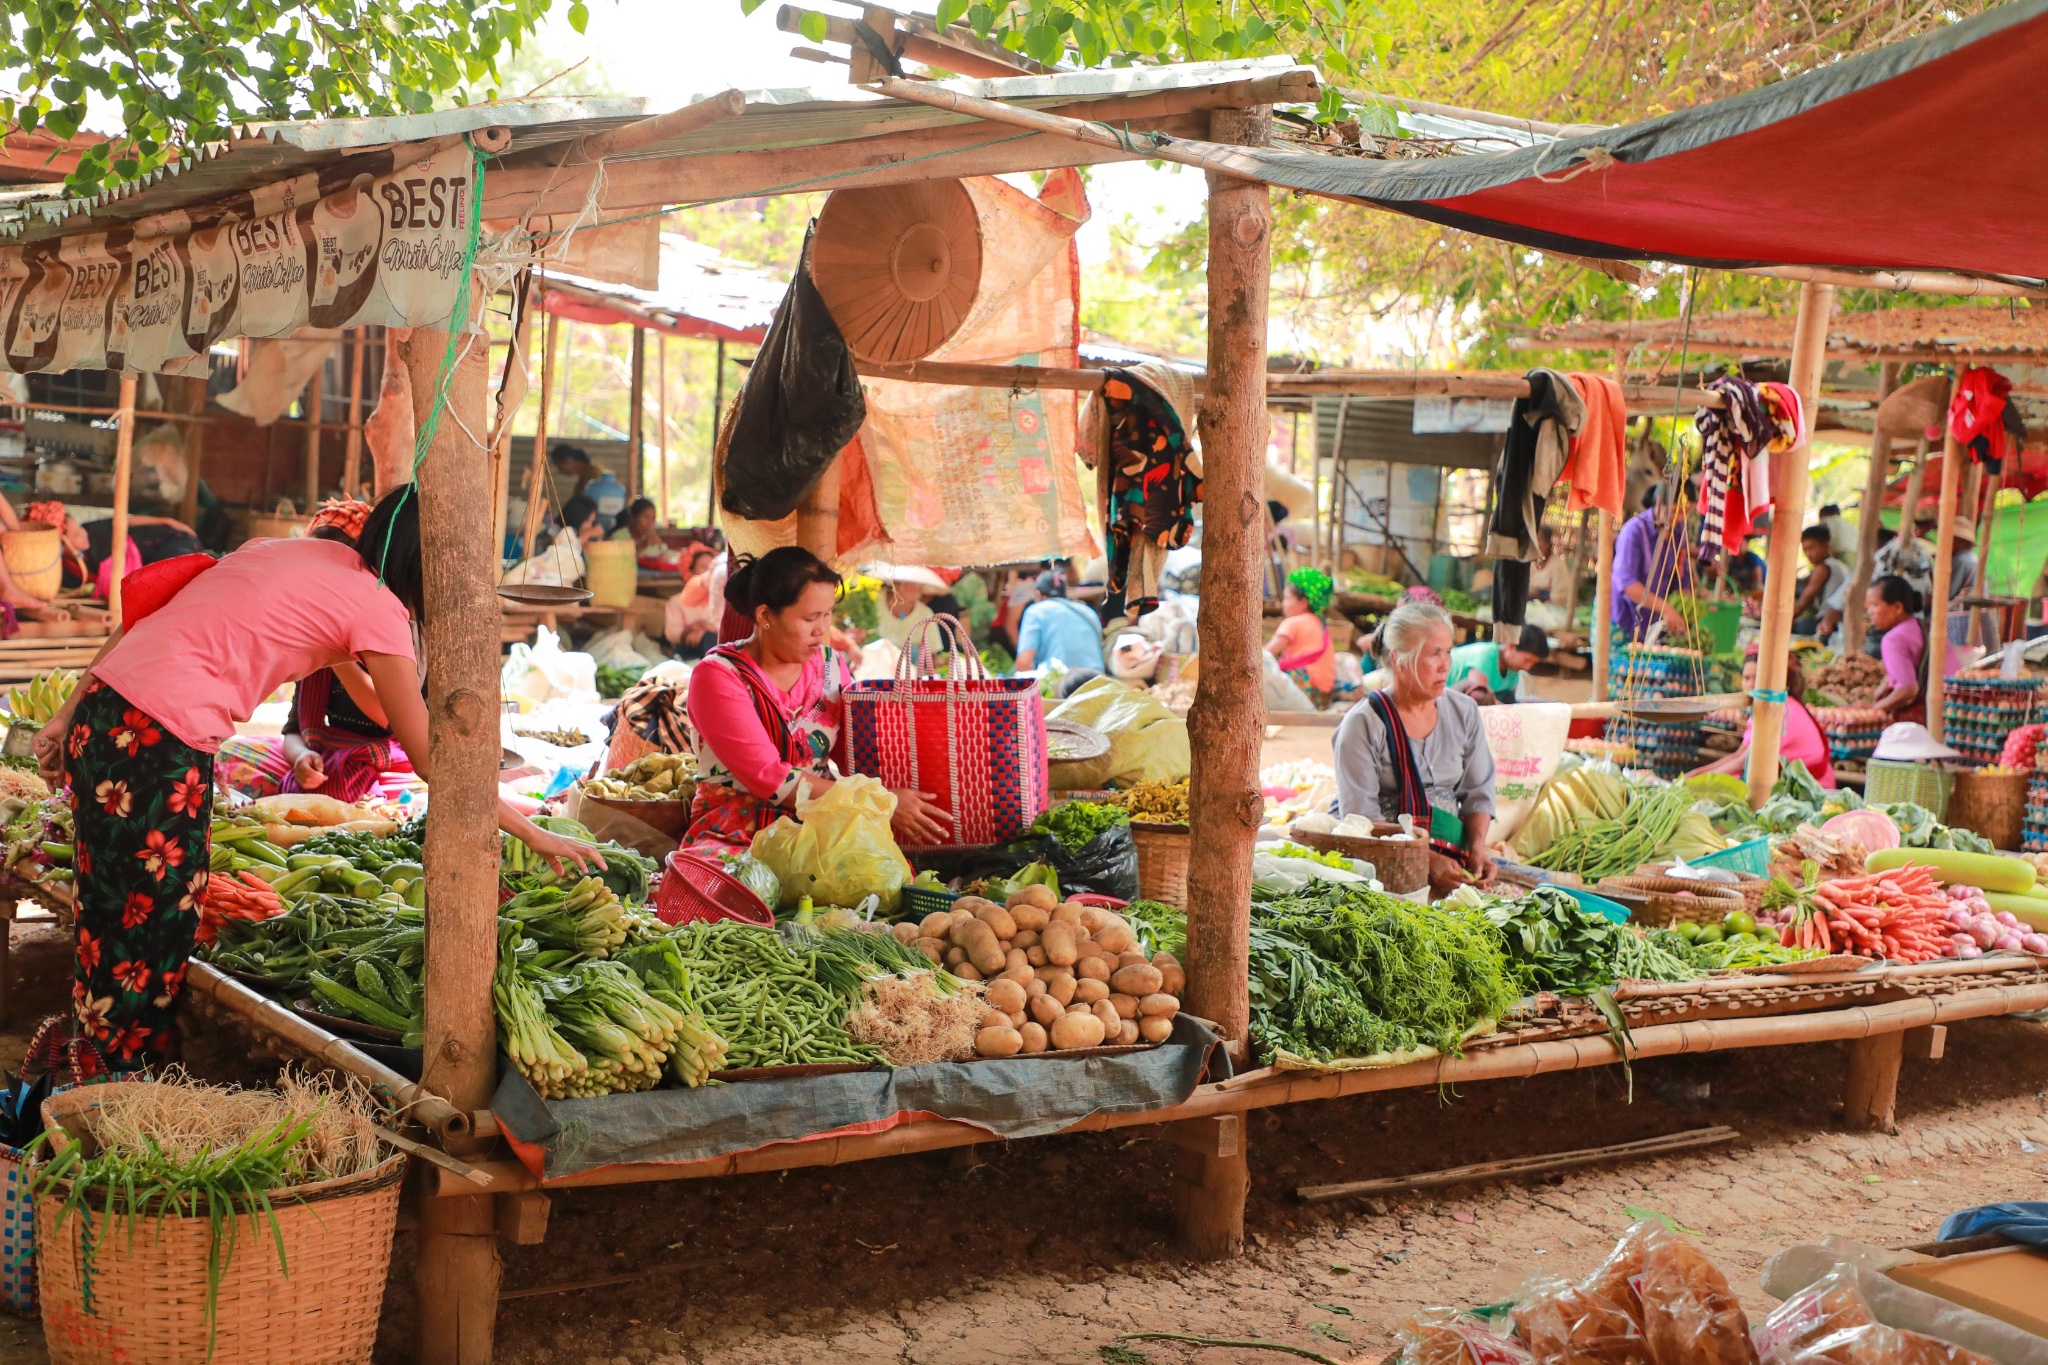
(1914, 281)
(315, 401)
(1522, 1165)
(1788, 518)
(1225, 724)
(636, 417)
(124, 465)
(1926, 1044)
(1868, 522)
(352, 451)
(1871, 1087)
(661, 422)
(536, 478)
(634, 137)
(458, 1265)
(194, 400)
(1944, 574)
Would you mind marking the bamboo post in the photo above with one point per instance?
(124, 463)
(315, 397)
(458, 1250)
(1871, 1088)
(636, 419)
(1944, 575)
(1226, 722)
(518, 358)
(661, 420)
(1788, 513)
(817, 516)
(1868, 519)
(1603, 604)
(194, 402)
(1580, 538)
(717, 421)
(536, 474)
(352, 451)
(1987, 518)
(1909, 507)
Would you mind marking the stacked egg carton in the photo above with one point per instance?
(1978, 713)
(2034, 825)
(1668, 748)
(1852, 731)
(1651, 672)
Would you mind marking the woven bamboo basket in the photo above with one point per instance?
(1162, 862)
(1402, 865)
(149, 1274)
(1992, 804)
(1751, 889)
(35, 559)
(1670, 900)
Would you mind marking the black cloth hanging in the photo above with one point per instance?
(1539, 435)
(801, 404)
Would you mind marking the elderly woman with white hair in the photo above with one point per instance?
(1418, 749)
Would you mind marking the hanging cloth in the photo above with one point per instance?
(1976, 416)
(1731, 438)
(1597, 463)
(1410, 796)
(1532, 456)
(1153, 487)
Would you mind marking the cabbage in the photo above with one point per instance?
(755, 875)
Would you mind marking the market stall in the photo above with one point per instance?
(1476, 968)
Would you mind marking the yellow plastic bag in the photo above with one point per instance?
(1147, 742)
(838, 851)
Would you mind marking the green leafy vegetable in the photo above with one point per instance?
(1077, 823)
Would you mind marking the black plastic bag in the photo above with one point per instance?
(801, 404)
(1106, 864)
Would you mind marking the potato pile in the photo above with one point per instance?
(1060, 975)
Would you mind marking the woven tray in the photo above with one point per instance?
(1670, 900)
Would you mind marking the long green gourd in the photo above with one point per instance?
(1986, 871)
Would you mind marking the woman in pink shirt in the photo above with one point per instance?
(138, 737)
(1803, 738)
(767, 709)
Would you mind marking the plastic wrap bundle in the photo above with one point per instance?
(1829, 1323)
(1655, 1300)
(2034, 825)
(1668, 748)
(1852, 731)
(1447, 1336)
(1656, 671)
(1978, 713)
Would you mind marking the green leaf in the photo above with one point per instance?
(812, 25)
(749, 6)
(1042, 42)
(949, 11)
(1665, 1220)
(579, 15)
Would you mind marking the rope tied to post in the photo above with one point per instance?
(1778, 695)
(1129, 140)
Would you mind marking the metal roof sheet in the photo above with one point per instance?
(266, 153)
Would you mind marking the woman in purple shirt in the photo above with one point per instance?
(1651, 561)
(1894, 608)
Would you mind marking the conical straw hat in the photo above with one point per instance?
(898, 266)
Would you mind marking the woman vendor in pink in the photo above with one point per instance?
(1301, 642)
(767, 709)
(1802, 739)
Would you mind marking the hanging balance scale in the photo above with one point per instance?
(898, 265)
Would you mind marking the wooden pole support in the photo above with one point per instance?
(536, 476)
(1208, 1195)
(192, 400)
(1868, 521)
(124, 467)
(636, 418)
(1926, 1044)
(523, 1218)
(458, 1248)
(635, 136)
(1220, 1135)
(1226, 720)
(315, 401)
(1788, 515)
(1603, 605)
(352, 451)
(1871, 1093)
(661, 424)
(1944, 576)
(817, 516)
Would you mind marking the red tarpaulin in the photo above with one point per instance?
(1925, 154)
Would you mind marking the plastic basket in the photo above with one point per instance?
(1597, 904)
(919, 901)
(694, 888)
(17, 1234)
(1753, 858)
(1888, 781)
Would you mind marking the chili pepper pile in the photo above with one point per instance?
(1900, 915)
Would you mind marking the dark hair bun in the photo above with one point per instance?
(775, 580)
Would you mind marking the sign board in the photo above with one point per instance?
(1435, 416)
(339, 248)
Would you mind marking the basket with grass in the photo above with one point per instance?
(180, 1222)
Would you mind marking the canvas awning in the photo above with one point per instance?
(1882, 160)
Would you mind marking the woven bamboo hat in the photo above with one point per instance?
(898, 266)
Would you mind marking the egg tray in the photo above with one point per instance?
(1664, 748)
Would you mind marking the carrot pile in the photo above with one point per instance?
(1899, 915)
(235, 895)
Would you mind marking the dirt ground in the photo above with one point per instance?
(1047, 1250)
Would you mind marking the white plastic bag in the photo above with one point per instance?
(1281, 692)
(1526, 740)
(544, 671)
(878, 660)
(623, 649)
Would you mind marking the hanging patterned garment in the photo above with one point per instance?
(1784, 410)
(1730, 437)
(1152, 490)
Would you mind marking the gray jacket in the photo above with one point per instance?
(1456, 765)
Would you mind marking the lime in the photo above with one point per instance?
(1739, 922)
(1711, 933)
(1687, 930)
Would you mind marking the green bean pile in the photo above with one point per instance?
(1609, 848)
(764, 999)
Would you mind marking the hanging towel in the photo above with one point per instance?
(1597, 464)
(1734, 439)
(1976, 416)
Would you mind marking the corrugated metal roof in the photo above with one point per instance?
(1376, 429)
(2018, 332)
(266, 153)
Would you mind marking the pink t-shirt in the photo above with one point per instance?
(731, 739)
(271, 612)
(1304, 634)
(1804, 741)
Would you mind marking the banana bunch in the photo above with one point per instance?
(651, 777)
(39, 700)
(1587, 792)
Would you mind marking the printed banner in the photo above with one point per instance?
(339, 248)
